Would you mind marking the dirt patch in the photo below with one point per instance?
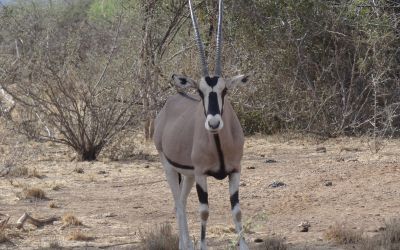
(116, 201)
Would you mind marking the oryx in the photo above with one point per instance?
(197, 137)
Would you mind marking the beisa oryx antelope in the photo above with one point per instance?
(200, 138)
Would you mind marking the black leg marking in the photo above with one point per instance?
(179, 178)
(203, 196)
(203, 232)
(234, 199)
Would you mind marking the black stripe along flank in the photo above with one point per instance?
(177, 165)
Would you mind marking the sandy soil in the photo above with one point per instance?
(117, 201)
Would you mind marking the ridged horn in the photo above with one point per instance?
(198, 41)
(218, 67)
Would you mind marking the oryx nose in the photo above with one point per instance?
(214, 125)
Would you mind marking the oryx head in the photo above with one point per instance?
(212, 89)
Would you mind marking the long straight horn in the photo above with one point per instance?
(218, 67)
(198, 41)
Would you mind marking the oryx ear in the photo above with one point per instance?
(183, 81)
(237, 81)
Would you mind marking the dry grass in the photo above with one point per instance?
(389, 239)
(3, 226)
(70, 220)
(34, 193)
(53, 205)
(160, 238)
(391, 235)
(78, 235)
(18, 171)
(79, 170)
(272, 243)
(341, 234)
(35, 173)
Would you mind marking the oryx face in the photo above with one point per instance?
(212, 91)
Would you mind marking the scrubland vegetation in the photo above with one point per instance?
(92, 74)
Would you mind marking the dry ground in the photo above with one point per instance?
(118, 200)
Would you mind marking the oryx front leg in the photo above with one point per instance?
(234, 181)
(173, 181)
(201, 187)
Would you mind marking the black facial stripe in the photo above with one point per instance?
(223, 94)
(213, 107)
(234, 199)
(203, 196)
(211, 81)
(202, 98)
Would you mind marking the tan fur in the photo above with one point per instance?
(181, 136)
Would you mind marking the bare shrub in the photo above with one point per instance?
(272, 243)
(160, 238)
(341, 234)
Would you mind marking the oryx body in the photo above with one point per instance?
(200, 136)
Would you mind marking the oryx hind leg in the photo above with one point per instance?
(234, 181)
(173, 181)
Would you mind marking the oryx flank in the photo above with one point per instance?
(200, 138)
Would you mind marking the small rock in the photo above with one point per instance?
(258, 240)
(321, 150)
(262, 155)
(102, 172)
(381, 228)
(270, 161)
(328, 183)
(276, 184)
(242, 184)
(304, 226)
(147, 166)
(251, 167)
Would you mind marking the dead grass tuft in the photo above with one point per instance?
(35, 173)
(79, 170)
(341, 234)
(3, 226)
(18, 171)
(78, 235)
(70, 220)
(34, 193)
(272, 243)
(391, 235)
(53, 205)
(160, 238)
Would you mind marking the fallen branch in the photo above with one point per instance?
(37, 222)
